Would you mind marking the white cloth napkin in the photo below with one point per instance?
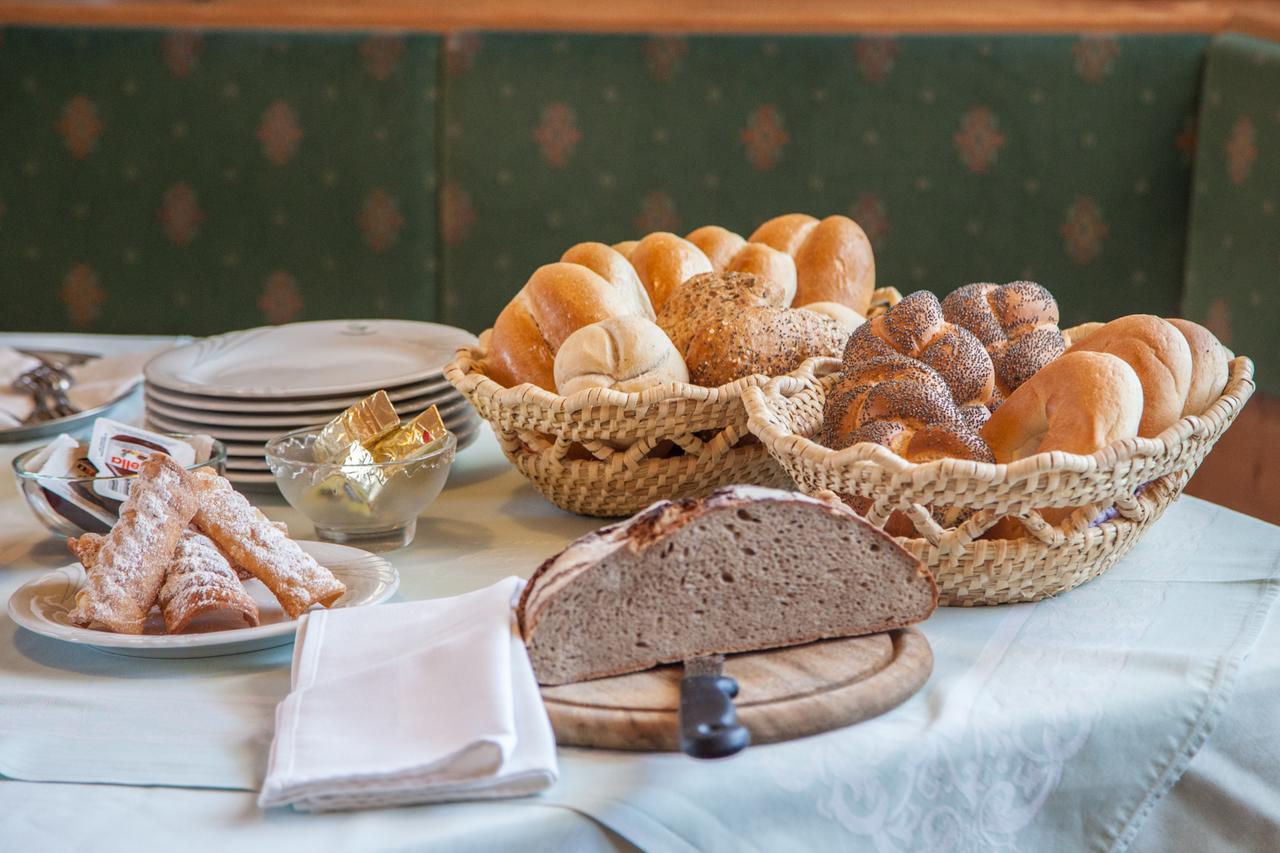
(94, 383)
(104, 379)
(421, 702)
(15, 406)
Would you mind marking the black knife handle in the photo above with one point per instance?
(709, 726)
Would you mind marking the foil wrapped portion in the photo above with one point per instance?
(364, 422)
(355, 485)
(422, 434)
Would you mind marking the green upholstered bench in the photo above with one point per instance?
(195, 182)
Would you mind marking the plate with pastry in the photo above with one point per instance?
(192, 569)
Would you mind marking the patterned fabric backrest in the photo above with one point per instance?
(1062, 159)
(1233, 253)
(196, 182)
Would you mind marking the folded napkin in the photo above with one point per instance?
(104, 379)
(15, 406)
(421, 702)
(94, 383)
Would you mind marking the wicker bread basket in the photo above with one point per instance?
(1121, 491)
(605, 453)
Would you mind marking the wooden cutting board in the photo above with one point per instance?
(783, 693)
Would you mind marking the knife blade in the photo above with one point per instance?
(709, 726)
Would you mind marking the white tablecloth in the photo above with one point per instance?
(1060, 725)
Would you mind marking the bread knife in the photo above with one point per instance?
(709, 726)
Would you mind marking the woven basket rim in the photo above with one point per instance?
(465, 374)
(772, 430)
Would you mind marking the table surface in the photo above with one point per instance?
(1138, 712)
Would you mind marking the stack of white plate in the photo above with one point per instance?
(245, 388)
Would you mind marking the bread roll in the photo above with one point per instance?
(718, 244)
(624, 353)
(835, 264)
(1209, 366)
(848, 319)
(1079, 403)
(785, 233)
(625, 248)
(1076, 334)
(734, 325)
(766, 261)
(610, 265)
(1161, 357)
(915, 327)
(1016, 322)
(557, 300)
(664, 262)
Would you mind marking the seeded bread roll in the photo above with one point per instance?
(734, 325)
(1208, 366)
(904, 405)
(1161, 357)
(664, 262)
(1016, 322)
(916, 328)
(746, 568)
(624, 353)
(558, 300)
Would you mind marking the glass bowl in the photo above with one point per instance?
(373, 506)
(70, 506)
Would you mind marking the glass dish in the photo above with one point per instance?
(373, 506)
(45, 494)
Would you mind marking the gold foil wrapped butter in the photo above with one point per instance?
(355, 485)
(424, 432)
(364, 422)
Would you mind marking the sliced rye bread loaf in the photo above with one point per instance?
(745, 568)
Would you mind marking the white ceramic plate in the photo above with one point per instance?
(436, 384)
(43, 606)
(327, 357)
(453, 420)
(192, 413)
(250, 429)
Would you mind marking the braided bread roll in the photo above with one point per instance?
(558, 300)
(916, 328)
(1016, 322)
(733, 325)
(904, 405)
(833, 257)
